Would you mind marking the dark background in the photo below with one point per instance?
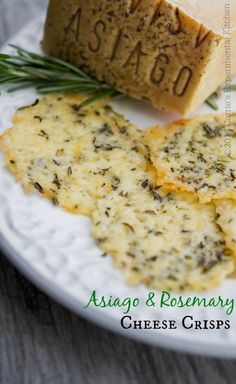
(41, 342)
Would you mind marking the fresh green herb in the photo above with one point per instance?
(48, 74)
(212, 103)
(211, 100)
(230, 88)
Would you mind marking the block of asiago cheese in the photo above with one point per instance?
(172, 53)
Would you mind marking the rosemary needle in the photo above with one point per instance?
(48, 74)
(212, 103)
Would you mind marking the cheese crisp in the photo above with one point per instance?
(197, 155)
(72, 156)
(226, 210)
(165, 240)
(92, 161)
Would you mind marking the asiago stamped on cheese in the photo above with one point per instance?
(166, 52)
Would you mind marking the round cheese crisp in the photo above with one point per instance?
(165, 240)
(92, 161)
(71, 155)
(197, 155)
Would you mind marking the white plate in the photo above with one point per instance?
(55, 249)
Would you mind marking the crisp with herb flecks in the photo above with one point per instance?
(197, 155)
(166, 240)
(92, 161)
(70, 154)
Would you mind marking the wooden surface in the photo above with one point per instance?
(41, 342)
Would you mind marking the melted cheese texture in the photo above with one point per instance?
(72, 156)
(197, 155)
(92, 161)
(168, 242)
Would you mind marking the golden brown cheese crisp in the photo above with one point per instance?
(72, 156)
(170, 53)
(164, 240)
(197, 155)
(92, 161)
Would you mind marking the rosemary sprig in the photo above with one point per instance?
(231, 87)
(48, 74)
(211, 99)
(212, 103)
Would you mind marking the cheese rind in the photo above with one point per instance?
(150, 50)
